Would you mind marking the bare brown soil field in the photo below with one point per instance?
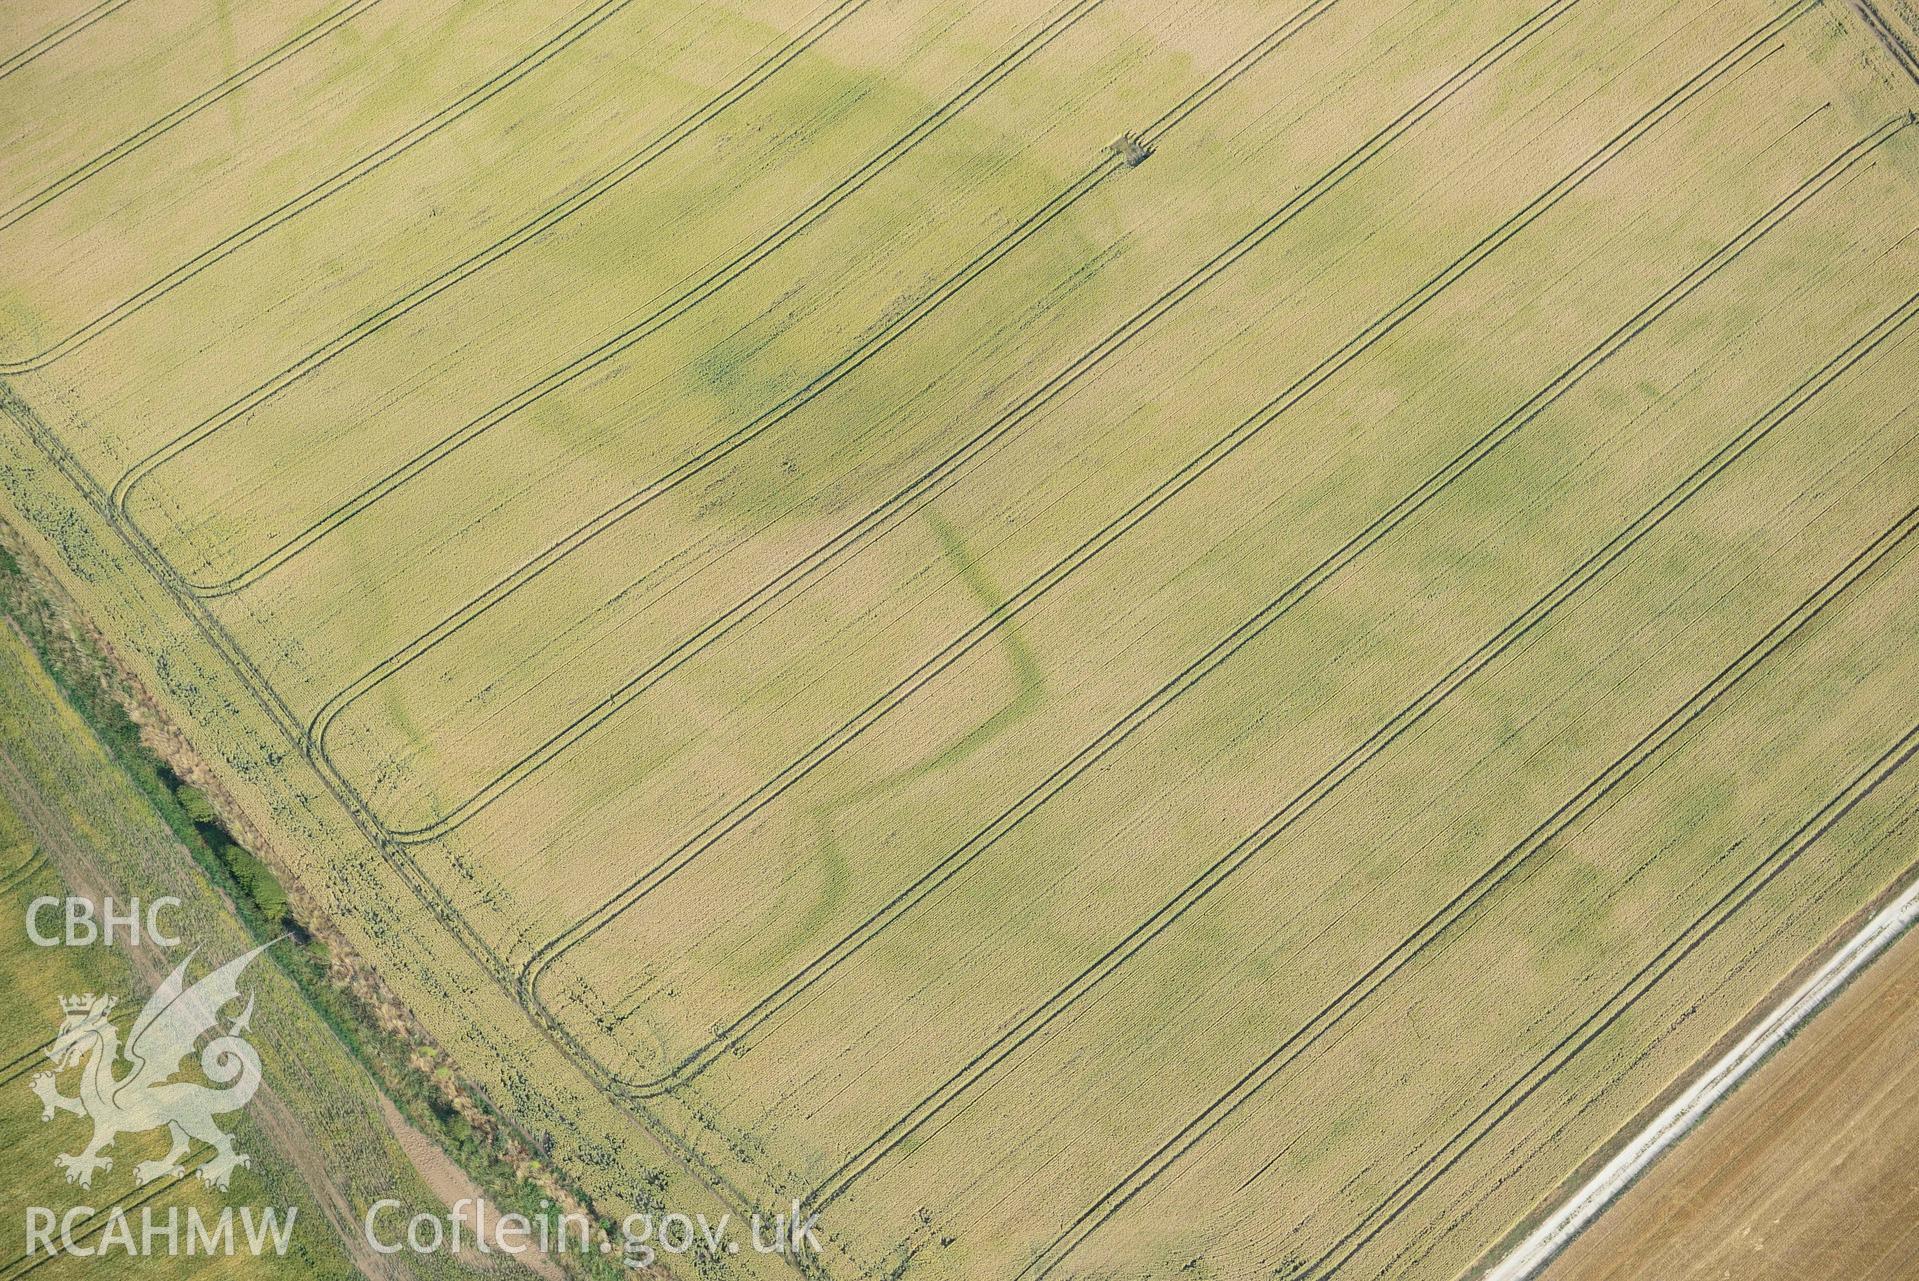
(1806, 1171)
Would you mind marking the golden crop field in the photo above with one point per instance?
(1229, 706)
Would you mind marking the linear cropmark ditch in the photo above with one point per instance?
(1293, 395)
(1099, 638)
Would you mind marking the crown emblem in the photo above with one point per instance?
(132, 1089)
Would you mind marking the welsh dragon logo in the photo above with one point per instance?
(148, 1096)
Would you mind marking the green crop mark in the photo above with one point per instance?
(1029, 691)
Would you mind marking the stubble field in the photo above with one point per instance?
(1799, 1174)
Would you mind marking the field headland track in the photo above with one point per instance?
(1439, 925)
(96, 495)
(1595, 1024)
(847, 542)
(231, 654)
(398, 145)
(203, 624)
(685, 300)
(1142, 508)
(930, 482)
(1064, 199)
(1903, 54)
(59, 35)
(735, 1032)
(272, 58)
